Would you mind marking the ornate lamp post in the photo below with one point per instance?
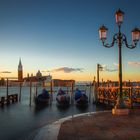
(120, 39)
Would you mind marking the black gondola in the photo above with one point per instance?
(63, 100)
(82, 101)
(42, 100)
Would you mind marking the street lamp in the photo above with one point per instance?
(120, 39)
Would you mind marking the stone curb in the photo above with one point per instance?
(51, 131)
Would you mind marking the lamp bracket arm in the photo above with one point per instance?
(132, 46)
(114, 40)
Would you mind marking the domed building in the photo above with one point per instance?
(38, 74)
(38, 78)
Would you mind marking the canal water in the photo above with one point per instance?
(19, 121)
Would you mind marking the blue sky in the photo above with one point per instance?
(53, 34)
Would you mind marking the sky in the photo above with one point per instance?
(61, 37)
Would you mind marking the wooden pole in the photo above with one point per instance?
(7, 89)
(7, 93)
(36, 90)
(95, 92)
(30, 92)
(51, 92)
(90, 92)
(67, 88)
(98, 74)
(71, 95)
(20, 86)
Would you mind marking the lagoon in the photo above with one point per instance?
(19, 121)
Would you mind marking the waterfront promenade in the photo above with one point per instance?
(102, 126)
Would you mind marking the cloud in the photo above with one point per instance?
(5, 72)
(111, 70)
(107, 69)
(45, 71)
(133, 63)
(115, 64)
(67, 70)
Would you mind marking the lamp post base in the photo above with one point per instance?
(120, 108)
(116, 111)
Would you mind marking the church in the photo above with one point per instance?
(32, 78)
(42, 80)
(20, 71)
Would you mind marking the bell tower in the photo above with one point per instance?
(20, 71)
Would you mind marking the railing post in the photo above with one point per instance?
(130, 96)
(108, 102)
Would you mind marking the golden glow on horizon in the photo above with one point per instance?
(83, 76)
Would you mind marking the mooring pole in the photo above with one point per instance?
(20, 86)
(30, 92)
(51, 91)
(72, 88)
(36, 90)
(7, 88)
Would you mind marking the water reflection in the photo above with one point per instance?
(62, 108)
(83, 108)
(39, 108)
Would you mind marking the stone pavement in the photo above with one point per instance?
(102, 126)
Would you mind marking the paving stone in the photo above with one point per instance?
(102, 126)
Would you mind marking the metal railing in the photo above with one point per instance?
(108, 95)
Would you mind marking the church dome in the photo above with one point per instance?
(38, 74)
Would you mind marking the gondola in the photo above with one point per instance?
(63, 100)
(82, 101)
(42, 100)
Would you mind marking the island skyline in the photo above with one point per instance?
(61, 38)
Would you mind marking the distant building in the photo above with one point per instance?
(63, 83)
(2, 82)
(20, 71)
(38, 78)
